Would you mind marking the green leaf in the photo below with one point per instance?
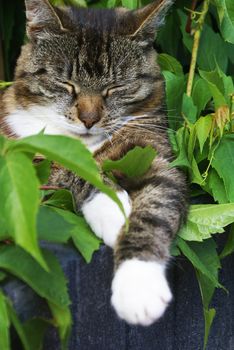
(134, 164)
(4, 323)
(189, 110)
(131, 4)
(43, 171)
(174, 94)
(111, 3)
(3, 275)
(212, 50)
(209, 315)
(62, 320)
(78, 3)
(19, 187)
(18, 326)
(35, 330)
(195, 174)
(207, 254)
(62, 199)
(229, 246)
(216, 187)
(205, 220)
(225, 10)
(57, 225)
(223, 163)
(220, 85)
(50, 285)
(187, 38)
(84, 239)
(201, 94)
(69, 152)
(169, 35)
(182, 152)
(52, 226)
(169, 63)
(203, 128)
(187, 249)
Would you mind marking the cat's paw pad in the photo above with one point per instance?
(140, 292)
(104, 216)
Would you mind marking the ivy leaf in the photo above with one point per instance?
(51, 225)
(19, 187)
(131, 4)
(182, 153)
(50, 285)
(18, 326)
(207, 254)
(205, 220)
(203, 128)
(57, 225)
(187, 248)
(111, 3)
(169, 63)
(211, 42)
(62, 199)
(134, 164)
(189, 110)
(62, 320)
(83, 237)
(223, 163)
(220, 85)
(3, 275)
(43, 170)
(174, 95)
(229, 246)
(23, 266)
(209, 315)
(216, 186)
(200, 94)
(216, 87)
(35, 330)
(4, 323)
(225, 9)
(70, 153)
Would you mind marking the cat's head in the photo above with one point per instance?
(94, 69)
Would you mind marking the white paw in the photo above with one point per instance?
(140, 292)
(104, 216)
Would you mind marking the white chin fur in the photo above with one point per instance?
(104, 216)
(31, 121)
(140, 292)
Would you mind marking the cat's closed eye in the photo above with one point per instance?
(71, 87)
(124, 89)
(110, 90)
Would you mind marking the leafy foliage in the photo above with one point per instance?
(202, 136)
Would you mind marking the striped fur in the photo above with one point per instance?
(98, 70)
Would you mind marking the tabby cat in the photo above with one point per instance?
(92, 74)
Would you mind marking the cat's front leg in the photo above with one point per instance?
(104, 216)
(140, 291)
(100, 211)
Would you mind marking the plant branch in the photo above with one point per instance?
(196, 41)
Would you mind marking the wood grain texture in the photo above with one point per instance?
(96, 326)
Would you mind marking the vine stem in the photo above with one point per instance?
(196, 41)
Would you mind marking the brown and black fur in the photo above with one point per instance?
(94, 50)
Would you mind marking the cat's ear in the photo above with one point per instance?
(147, 19)
(41, 18)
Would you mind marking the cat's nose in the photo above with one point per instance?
(89, 109)
(89, 118)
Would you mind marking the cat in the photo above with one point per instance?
(92, 74)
